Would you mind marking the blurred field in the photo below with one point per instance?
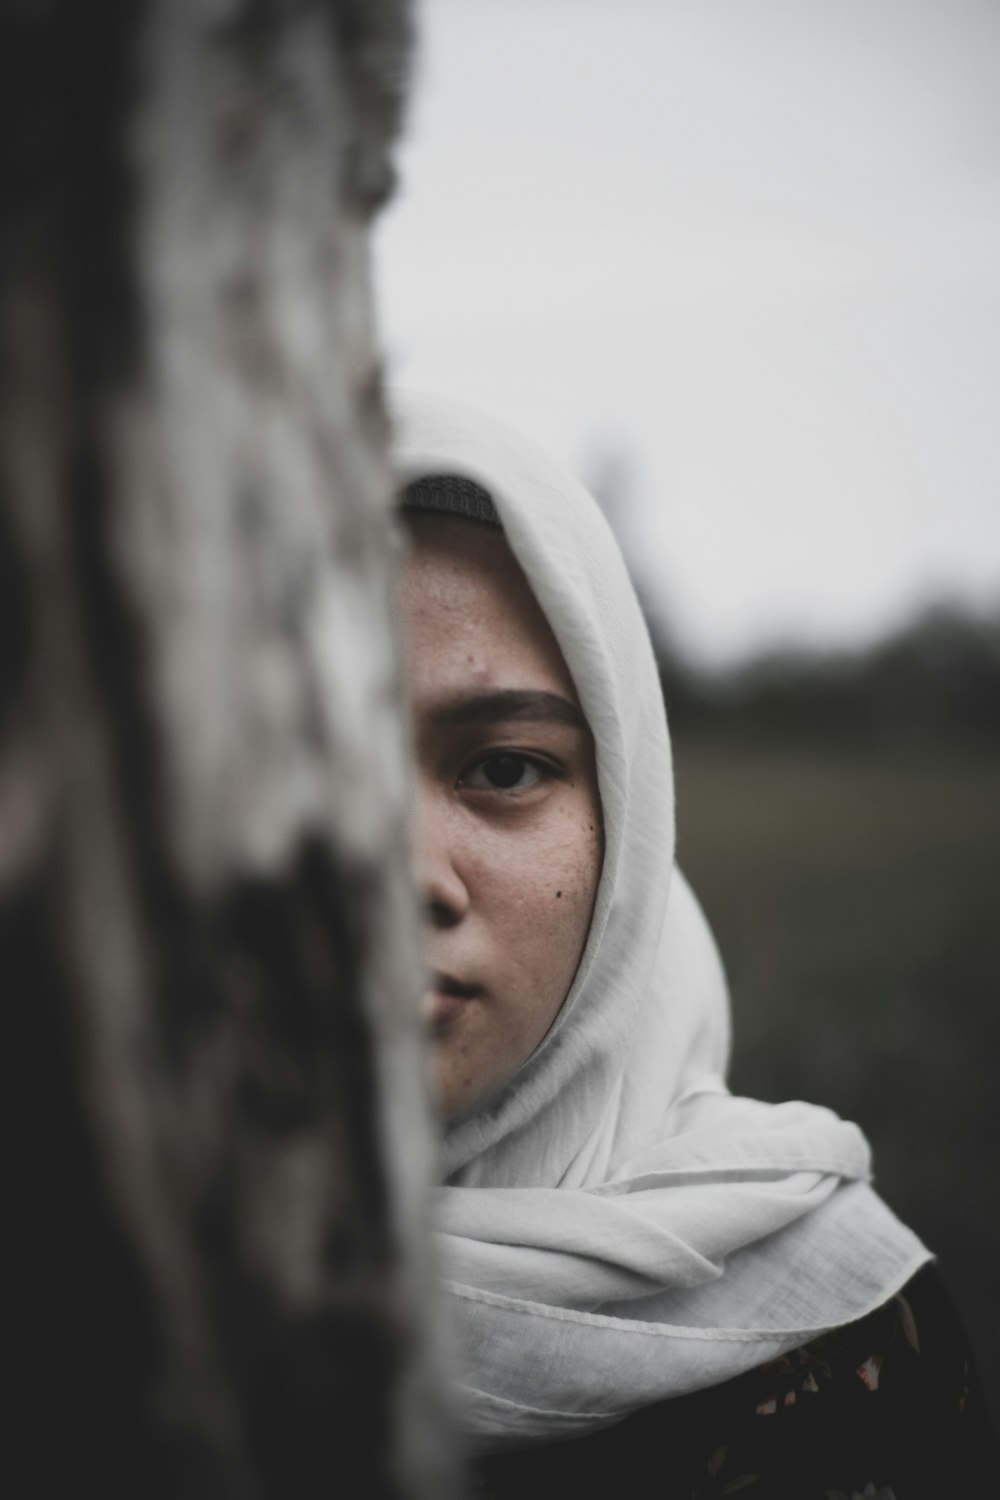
(855, 895)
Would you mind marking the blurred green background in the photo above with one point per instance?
(840, 822)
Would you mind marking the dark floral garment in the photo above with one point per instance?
(884, 1409)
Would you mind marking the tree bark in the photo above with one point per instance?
(207, 938)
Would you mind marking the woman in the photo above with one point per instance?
(703, 1293)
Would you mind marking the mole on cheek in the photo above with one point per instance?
(558, 894)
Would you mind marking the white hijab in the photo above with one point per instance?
(615, 1228)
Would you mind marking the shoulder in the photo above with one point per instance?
(885, 1407)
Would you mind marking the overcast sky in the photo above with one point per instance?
(743, 255)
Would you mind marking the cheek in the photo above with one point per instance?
(571, 903)
(540, 886)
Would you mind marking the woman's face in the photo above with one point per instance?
(508, 820)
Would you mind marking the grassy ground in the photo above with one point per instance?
(856, 900)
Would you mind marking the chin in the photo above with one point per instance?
(454, 1093)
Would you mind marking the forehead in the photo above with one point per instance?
(468, 615)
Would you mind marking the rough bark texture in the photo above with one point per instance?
(207, 940)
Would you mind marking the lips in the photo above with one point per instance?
(448, 998)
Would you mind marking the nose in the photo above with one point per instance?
(440, 882)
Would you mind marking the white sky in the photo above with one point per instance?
(745, 251)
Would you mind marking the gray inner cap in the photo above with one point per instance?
(453, 495)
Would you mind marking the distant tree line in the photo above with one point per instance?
(937, 680)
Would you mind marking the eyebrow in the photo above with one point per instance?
(535, 706)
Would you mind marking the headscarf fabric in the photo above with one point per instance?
(615, 1228)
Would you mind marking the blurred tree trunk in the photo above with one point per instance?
(208, 948)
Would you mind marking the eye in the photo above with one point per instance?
(504, 772)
